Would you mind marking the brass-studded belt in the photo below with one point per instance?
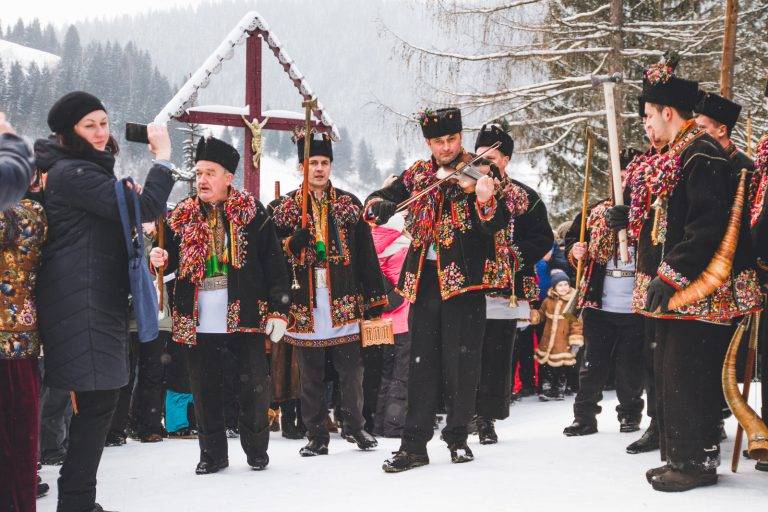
(620, 273)
(214, 283)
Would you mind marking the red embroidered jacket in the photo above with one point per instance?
(258, 283)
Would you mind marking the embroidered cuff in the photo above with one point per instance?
(288, 318)
(378, 300)
(487, 209)
(672, 277)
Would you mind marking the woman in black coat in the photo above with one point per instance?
(83, 286)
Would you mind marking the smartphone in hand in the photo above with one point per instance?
(135, 132)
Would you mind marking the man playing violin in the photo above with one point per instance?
(452, 262)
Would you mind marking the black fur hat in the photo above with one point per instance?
(215, 150)
(490, 134)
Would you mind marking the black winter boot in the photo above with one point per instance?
(580, 428)
(486, 430)
(313, 448)
(629, 425)
(258, 462)
(207, 465)
(364, 440)
(656, 471)
(460, 453)
(42, 487)
(403, 461)
(680, 479)
(648, 442)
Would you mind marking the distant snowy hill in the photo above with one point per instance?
(13, 52)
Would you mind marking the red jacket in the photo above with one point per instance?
(391, 265)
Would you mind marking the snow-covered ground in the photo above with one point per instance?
(12, 52)
(533, 468)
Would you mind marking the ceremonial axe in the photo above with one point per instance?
(609, 82)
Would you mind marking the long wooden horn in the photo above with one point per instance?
(754, 427)
(718, 270)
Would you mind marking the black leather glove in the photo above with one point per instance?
(617, 217)
(383, 211)
(300, 240)
(374, 312)
(658, 296)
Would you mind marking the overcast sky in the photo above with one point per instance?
(66, 11)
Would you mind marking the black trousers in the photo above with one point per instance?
(446, 345)
(495, 391)
(688, 389)
(610, 337)
(87, 433)
(55, 416)
(142, 400)
(373, 366)
(649, 356)
(231, 388)
(206, 376)
(347, 360)
(393, 392)
(523, 355)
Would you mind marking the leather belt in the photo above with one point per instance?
(619, 273)
(214, 283)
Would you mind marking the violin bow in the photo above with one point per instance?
(402, 206)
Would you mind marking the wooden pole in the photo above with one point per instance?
(729, 48)
(160, 229)
(584, 205)
(613, 146)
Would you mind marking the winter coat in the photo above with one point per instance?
(19, 263)
(697, 209)
(560, 333)
(385, 239)
(533, 238)
(258, 286)
(83, 285)
(354, 279)
(15, 169)
(461, 232)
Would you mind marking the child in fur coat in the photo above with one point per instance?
(561, 339)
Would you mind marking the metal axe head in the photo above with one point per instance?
(616, 78)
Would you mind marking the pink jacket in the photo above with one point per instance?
(391, 264)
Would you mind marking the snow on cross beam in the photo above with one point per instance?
(251, 30)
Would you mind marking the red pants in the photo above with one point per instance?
(19, 412)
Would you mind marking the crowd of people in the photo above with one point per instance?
(261, 307)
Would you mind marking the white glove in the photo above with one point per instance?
(275, 329)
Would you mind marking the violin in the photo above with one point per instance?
(465, 171)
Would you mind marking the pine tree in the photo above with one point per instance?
(16, 94)
(70, 76)
(398, 166)
(50, 43)
(16, 34)
(3, 89)
(33, 35)
(365, 165)
(286, 149)
(342, 152)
